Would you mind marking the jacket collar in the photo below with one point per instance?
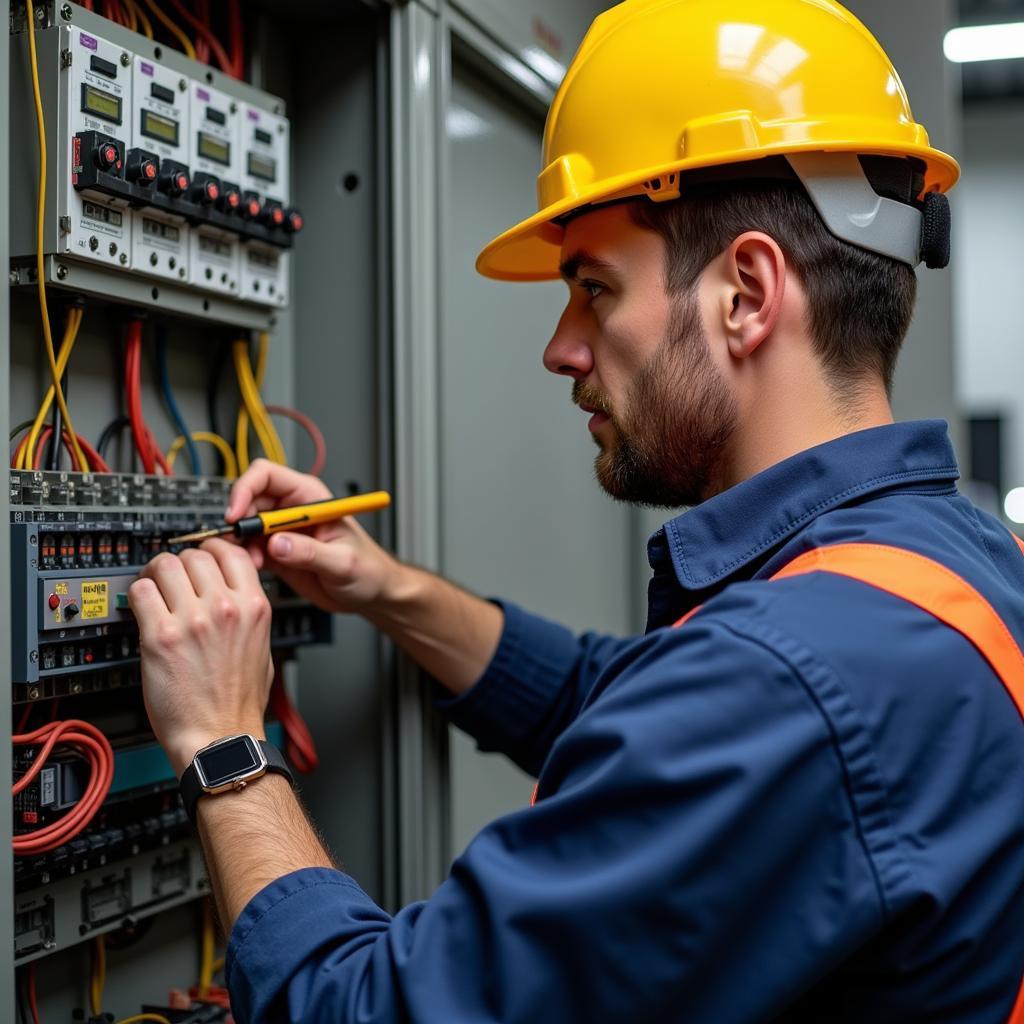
(720, 538)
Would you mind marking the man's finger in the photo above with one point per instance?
(203, 570)
(147, 604)
(233, 563)
(264, 478)
(168, 573)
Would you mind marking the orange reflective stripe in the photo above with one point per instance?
(1020, 543)
(686, 618)
(939, 591)
(933, 588)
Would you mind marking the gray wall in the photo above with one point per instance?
(990, 339)
(911, 32)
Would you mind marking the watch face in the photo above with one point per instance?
(227, 761)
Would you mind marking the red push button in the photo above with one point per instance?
(107, 156)
(54, 602)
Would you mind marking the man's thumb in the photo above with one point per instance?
(298, 551)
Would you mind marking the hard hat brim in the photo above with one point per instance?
(531, 250)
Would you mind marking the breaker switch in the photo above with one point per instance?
(293, 221)
(175, 182)
(230, 199)
(205, 190)
(251, 206)
(107, 156)
(70, 610)
(141, 167)
(53, 601)
(272, 215)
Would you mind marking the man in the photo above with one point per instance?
(806, 802)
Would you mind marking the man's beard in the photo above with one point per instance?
(671, 433)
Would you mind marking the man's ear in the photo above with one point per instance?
(752, 288)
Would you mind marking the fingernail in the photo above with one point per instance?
(282, 546)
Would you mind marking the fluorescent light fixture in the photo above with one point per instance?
(985, 42)
(1014, 505)
(544, 64)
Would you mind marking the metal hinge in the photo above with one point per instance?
(66, 59)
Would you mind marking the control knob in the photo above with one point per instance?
(293, 221)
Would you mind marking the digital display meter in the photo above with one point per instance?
(101, 103)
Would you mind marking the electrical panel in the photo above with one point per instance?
(169, 227)
(77, 543)
(157, 172)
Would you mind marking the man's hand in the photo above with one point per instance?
(337, 566)
(204, 624)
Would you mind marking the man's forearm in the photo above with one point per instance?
(451, 633)
(253, 837)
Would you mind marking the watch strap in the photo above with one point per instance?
(191, 790)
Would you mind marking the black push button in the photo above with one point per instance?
(102, 67)
(161, 92)
(216, 116)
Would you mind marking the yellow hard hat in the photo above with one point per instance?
(661, 87)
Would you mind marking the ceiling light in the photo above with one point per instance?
(985, 42)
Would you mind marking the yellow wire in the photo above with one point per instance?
(144, 22)
(74, 321)
(40, 219)
(99, 975)
(218, 964)
(230, 464)
(252, 407)
(207, 952)
(186, 43)
(154, 1018)
(129, 9)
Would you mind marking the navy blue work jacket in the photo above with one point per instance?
(806, 804)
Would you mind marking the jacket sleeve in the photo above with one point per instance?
(534, 687)
(695, 856)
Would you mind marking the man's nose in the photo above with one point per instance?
(568, 353)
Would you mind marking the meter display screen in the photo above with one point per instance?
(264, 167)
(102, 104)
(156, 126)
(158, 229)
(214, 149)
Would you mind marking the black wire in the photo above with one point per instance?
(21, 980)
(53, 455)
(19, 428)
(112, 429)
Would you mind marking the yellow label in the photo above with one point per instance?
(62, 589)
(95, 599)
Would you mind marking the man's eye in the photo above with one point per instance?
(593, 287)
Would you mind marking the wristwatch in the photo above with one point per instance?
(226, 764)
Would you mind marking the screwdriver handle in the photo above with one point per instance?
(298, 517)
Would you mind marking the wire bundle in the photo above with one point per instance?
(299, 744)
(142, 437)
(252, 408)
(96, 749)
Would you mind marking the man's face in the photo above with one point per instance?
(662, 413)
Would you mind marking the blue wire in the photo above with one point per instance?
(172, 405)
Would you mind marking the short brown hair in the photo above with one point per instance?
(860, 304)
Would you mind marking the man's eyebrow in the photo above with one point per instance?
(582, 260)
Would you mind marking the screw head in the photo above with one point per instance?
(126, 58)
(182, 85)
(123, 258)
(34, 656)
(65, 11)
(181, 272)
(62, 272)
(234, 107)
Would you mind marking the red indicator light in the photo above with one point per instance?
(54, 602)
(254, 207)
(87, 657)
(30, 817)
(182, 182)
(212, 191)
(150, 170)
(233, 200)
(277, 216)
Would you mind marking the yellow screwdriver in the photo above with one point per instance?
(295, 518)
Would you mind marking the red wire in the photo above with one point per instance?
(319, 444)
(96, 461)
(301, 748)
(237, 38)
(202, 11)
(145, 443)
(87, 4)
(90, 742)
(33, 1003)
(219, 52)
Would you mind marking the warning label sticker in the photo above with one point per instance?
(95, 599)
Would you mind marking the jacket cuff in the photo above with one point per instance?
(515, 695)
